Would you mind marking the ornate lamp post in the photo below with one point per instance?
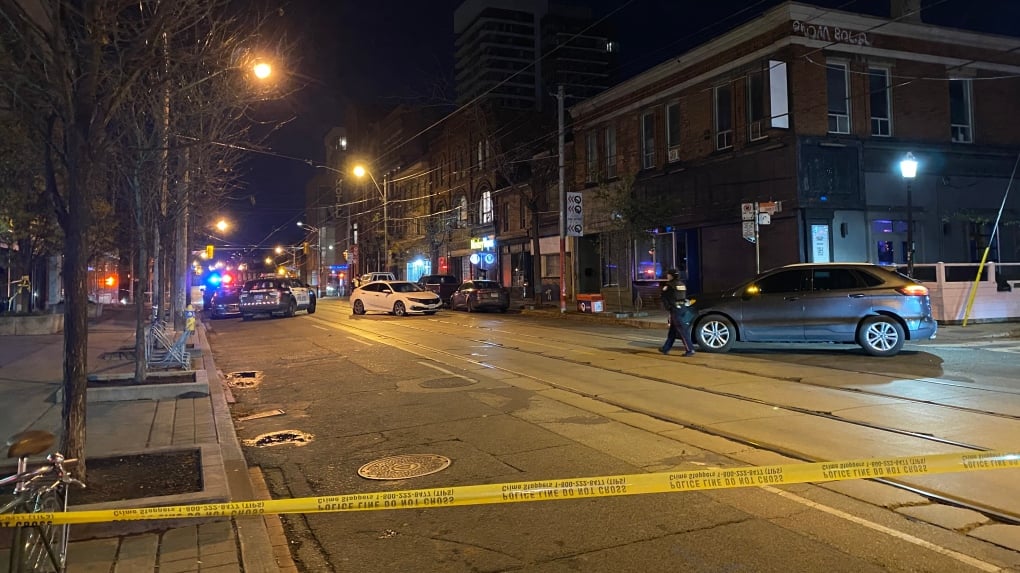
(908, 168)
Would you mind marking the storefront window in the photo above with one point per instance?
(655, 254)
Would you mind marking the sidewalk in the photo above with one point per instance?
(30, 374)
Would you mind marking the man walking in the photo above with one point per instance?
(674, 296)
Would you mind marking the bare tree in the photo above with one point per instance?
(70, 70)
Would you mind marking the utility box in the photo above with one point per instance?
(590, 303)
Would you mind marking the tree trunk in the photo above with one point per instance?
(140, 278)
(75, 271)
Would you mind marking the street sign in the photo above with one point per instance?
(748, 230)
(764, 219)
(575, 214)
(747, 211)
(770, 207)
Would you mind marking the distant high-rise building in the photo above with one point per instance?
(515, 52)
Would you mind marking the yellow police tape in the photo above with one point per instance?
(552, 489)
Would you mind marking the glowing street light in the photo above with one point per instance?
(360, 171)
(262, 70)
(908, 168)
(222, 225)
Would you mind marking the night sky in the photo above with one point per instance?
(401, 51)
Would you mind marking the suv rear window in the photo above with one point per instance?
(262, 284)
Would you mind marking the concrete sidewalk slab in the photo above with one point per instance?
(31, 368)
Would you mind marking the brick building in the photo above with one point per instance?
(807, 111)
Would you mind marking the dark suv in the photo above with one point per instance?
(275, 295)
(860, 303)
(443, 285)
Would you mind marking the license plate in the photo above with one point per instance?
(493, 295)
(258, 298)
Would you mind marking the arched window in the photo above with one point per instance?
(462, 211)
(485, 207)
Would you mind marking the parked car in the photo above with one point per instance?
(226, 301)
(860, 303)
(480, 295)
(372, 277)
(275, 295)
(443, 285)
(396, 297)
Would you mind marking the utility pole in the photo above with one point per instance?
(386, 223)
(562, 204)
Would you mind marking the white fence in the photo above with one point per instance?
(950, 284)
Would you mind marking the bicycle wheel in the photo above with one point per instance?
(43, 547)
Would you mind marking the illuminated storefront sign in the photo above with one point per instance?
(487, 242)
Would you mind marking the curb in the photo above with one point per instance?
(256, 550)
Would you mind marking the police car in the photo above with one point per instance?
(275, 295)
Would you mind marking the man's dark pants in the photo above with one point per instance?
(677, 328)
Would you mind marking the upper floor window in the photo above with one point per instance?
(610, 152)
(591, 143)
(481, 154)
(485, 209)
(648, 140)
(723, 116)
(881, 102)
(462, 211)
(838, 89)
(756, 119)
(673, 130)
(779, 99)
(960, 111)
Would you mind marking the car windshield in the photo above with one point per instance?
(405, 287)
(486, 285)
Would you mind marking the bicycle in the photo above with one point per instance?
(37, 546)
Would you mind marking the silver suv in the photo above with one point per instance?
(860, 303)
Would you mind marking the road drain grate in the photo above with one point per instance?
(404, 466)
(279, 438)
(244, 379)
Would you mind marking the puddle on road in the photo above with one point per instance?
(244, 379)
(278, 438)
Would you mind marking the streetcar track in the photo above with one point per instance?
(716, 392)
(933, 496)
(791, 379)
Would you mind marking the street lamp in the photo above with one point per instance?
(360, 171)
(318, 254)
(908, 168)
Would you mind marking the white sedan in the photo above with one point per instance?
(396, 297)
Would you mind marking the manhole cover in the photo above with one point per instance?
(244, 379)
(404, 466)
(279, 438)
(446, 383)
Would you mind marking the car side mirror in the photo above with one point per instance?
(387, 291)
(750, 292)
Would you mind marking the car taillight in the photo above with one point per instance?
(913, 290)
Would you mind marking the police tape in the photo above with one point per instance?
(550, 490)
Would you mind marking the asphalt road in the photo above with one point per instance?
(513, 398)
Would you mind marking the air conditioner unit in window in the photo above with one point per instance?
(674, 154)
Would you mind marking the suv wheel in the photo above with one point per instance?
(311, 306)
(715, 334)
(881, 336)
(291, 308)
(399, 309)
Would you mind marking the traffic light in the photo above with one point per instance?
(209, 251)
(111, 281)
